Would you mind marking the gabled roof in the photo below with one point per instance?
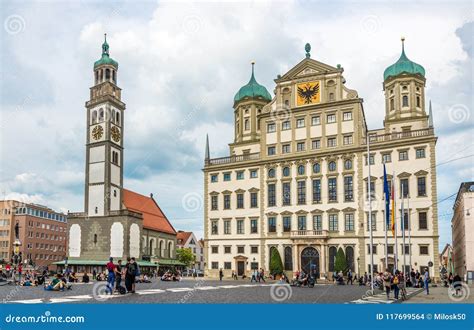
(182, 237)
(311, 66)
(153, 216)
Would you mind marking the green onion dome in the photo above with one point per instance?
(403, 65)
(252, 90)
(105, 59)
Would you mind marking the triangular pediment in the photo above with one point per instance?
(307, 67)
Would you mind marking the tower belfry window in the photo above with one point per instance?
(405, 101)
(107, 74)
(101, 115)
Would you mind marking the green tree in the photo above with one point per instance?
(186, 256)
(276, 266)
(340, 264)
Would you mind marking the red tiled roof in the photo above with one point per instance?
(153, 217)
(182, 237)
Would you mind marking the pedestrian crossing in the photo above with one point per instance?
(381, 298)
(103, 297)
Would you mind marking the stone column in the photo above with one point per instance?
(296, 259)
(323, 260)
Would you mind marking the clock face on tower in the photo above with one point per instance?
(115, 133)
(97, 132)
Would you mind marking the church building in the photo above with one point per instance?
(297, 177)
(116, 222)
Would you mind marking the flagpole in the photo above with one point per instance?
(395, 262)
(403, 233)
(387, 215)
(409, 232)
(370, 214)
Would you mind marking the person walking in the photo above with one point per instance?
(262, 275)
(110, 275)
(395, 282)
(130, 274)
(426, 280)
(118, 275)
(349, 277)
(254, 276)
(221, 274)
(94, 274)
(387, 283)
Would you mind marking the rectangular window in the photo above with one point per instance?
(421, 186)
(317, 222)
(405, 223)
(214, 178)
(422, 220)
(404, 189)
(331, 118)
(386, 158)
(286, 193)
(301, 192)
(348, 222)
(271, 128)
(372, 160)
(253, 226)
(240, 249)
(332, 142)
(214, 227)
(372, 190)
(420, 153)
(389, 249)
(333, 222)
(271, 194)
(254, 199)
(347, 116)
(240, 201)
(271, 224)
(301, 222)
(348, 189)
(368, 249)
(315, 120)
(214, 249)
(285, 125)
(347, 140)
(423, 249)
(227, 265)
(332, 189)
(254, 249)
(285, 149)
(300, 146)
(227, 249)
(403, 155)
(227, 227)
(214, 202)
(227, 176)
(316, 191)
(271, 151)
(374, 221)
(253, 174)
(316, 144)
(215, 265)
(226, 202)
(286, 224)
(240, 175)
(240, 226)
(299, 122)
(406, 250)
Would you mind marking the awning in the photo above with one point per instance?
(78, 262)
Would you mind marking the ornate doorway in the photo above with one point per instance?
(310, 261)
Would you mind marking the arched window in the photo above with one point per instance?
(405, 101)
(114, 76)
(418, 103)
(392, 104)
(286, 171)
(288, 258)
(150, 246)
(117, 118)
(332, 257)
(271, 173)
(301, 170)
(316, 168)
(246, 125)
(332, 166)
(94, 117)
(170, 247)
(348, 164)
(101, 115)
(161, 249)
(107, 74)
(331, 96)
(95, 238)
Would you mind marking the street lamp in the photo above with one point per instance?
(358, 266)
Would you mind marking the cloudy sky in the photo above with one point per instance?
(180, 65)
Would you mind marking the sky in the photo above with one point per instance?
(180, 65)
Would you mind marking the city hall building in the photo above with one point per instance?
(296, 179)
